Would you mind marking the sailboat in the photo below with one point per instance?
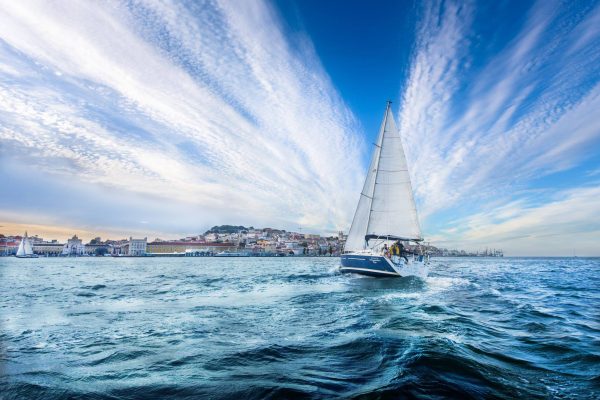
(25, 250)
(386, 214)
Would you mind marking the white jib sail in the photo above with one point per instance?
(21, 249)
(386, 205)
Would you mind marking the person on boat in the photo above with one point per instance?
(395, 253)
(385, 251)
(401, 251)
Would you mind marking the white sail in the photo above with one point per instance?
(386, 206)
(25, 248)
(358, 229)
(28, 249)
(21, 249)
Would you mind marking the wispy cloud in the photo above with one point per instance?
(479, 127)
(566, 222)
(205, 103)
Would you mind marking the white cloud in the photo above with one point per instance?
(206, 104)
(479, 133)
(567, 223)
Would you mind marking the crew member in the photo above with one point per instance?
(395, 252)
(401, 251)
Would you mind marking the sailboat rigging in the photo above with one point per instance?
(25, 250)
(386, 213)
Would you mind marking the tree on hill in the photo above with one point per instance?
(100, 251)
(228, 229)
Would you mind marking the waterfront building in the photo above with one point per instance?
(97, 248)
(120, 247)
(293, 247)
(268, 247)
(73, 247)
(9, 247)
(255, 250)
(166, 247)
(136, 247)
(48, 249)
(129, 247)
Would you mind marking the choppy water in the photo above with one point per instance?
(271, 327)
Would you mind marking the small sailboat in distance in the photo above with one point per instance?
(25, 250)
(386, 215)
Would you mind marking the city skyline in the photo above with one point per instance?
(160, 119)
(249, 241)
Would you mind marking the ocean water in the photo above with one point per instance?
(253, 328)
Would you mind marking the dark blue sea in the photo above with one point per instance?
(255, 328)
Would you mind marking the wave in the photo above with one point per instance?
(120, 356)
(297, 329)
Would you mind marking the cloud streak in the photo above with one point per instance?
(481, 127)
(566, 222)
(205, 103)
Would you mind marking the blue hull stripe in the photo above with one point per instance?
(368, 272)
(367, 265)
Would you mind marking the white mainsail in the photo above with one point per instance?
(386, 206)
(28, 247)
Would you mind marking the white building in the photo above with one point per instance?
(73, 247)
(295, 247)
(252, 236)
(137, 247)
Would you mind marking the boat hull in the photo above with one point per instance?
(379, 266)
(367, 265)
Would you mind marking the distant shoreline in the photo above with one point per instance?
(288, 257)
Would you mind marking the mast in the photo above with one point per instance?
(387, 109)
(358, 229)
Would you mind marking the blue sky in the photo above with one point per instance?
(164, 117)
